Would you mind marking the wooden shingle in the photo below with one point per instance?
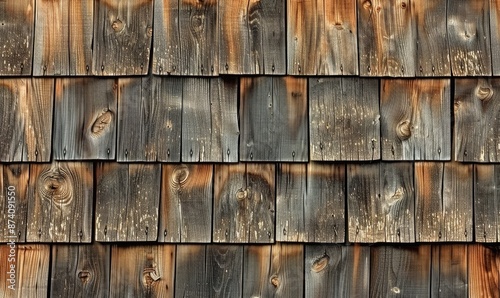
(449, 270)
(487, 203)
(14, 179)
(483, 266)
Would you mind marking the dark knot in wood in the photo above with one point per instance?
(403, 130)
(84, 276)
(320, 263)
(56, 185)
(242, 194)
(275, 281)
(484, 93)
(117, 25)
(102, 122)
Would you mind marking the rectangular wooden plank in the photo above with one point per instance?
(80, 270)
(449, 270)
(477, 120)
(416, 119)
(344, 119)
(85, 119)
(16, 45)
(244, 203)
(322, 37)
(225, 263)
(149, 114)
(63, 39)
(469, 37)
(252, 37)
(483, 264)
(487, 203)
(274, 124)
(26, 119)
(122, 37)
(13, 202)
(494, 13)
(186, 203)
(386, 37)
(127, 202)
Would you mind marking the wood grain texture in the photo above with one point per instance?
(63, 39)
(80, 270)
(149, 119)
(16, 29)
(337, 271)
(85, 119)
(26, 119)
(468, 24)
(142, 271)
(386, 37)
(244, 203)
(449, 271)
(122, 37)
(210, 120)
(273, 121)
(186, 203)
(487, 203)
(14, 179)
(477, 120)
(252, 37)
(483, 270)
(344, 119)
(127, 202)
(322, 37)
(494, 13)
(416, 119)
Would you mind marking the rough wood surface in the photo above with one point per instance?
(273, 112)
(122, 37)
(186, 203)
(483, 270)
(252, 37)
(344, 119)
(477, 120)
(26, 119)
(225, 263)
(416, 119)
(487, 203)
(495, 36)
(192, 277)
(322, 37)
(14, 179)
(244, 203)
(127, 202)
(85, 119)
(449, 271)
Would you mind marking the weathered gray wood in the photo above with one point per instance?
(274, 124)
(186, 203)
(487, 203)
(468, 28)
(16, 44)
(337, 271)
(210, 120)
(416, 119)
(322, 37)
(192, 277)
(449, 271)
(252, 37)
(80, 270)
(63, 39)
(477, 120)
(13, 202)
(142, 271)
(244, 202)
(483, 270)
(225, 265)
(494, 12)
(122, 37)
(60, 202)
(127, 202)
(344, 119)
(149, 119)
(85, 119)
(26, 119)
(386, 37)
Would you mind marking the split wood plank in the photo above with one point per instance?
(210, 120)
(449, 271)
(487, 203)
(387, 34)
(142, 271)
(274, 124)
(60, 202)
(477, 120)
(252, 37)
(122, 37)
(149, 119)
(495, 36)
(483, 270)
(63, 39)
(244, 203)
(186, 203)
(85, 119)
(381, 202)
(416, 119)
(26, 119)
(273, 270)
(469, 37)
(80, 270)
(14, 179)
(127, 202)
(17, 20)
(444, 199)
(186, 38)
(337, 271)
(310, 203)
(322, 37)
(344, 119)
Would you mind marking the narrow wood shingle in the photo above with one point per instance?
(14, 179)
(449, 271)
(483, 267)
(487, 203)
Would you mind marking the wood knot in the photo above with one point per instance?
(275, 281)
(117, 25)
(149, 31)
(367, 4)
(484, 93)
(149, 275)
(403, 130)
(403, 5)
(180, 174)
(84, 276)
(55, 185)
(320, 263)
(338, 25)
(102, 122)
(242, 194)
